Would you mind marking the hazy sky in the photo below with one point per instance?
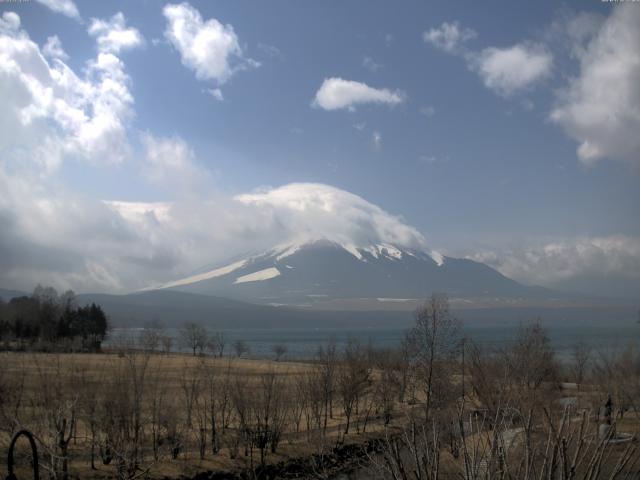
(506, 132)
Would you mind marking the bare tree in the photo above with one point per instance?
(156, 405)
(314, 387)
(240, 347)
(194, 337)
(554, 446)
(151, 336)
(489, 377)
(298, 400)
(279, 350)
(327, 359)
(58, 407)
(215, 404)
(580, 356)
(262, 413)
(167, 344)
(389, 383)
(216, 344)
(90, 394)
(531, 367)
(435, 341)
(122, 414)
(190, 385)
(12, 397)
(353, 378)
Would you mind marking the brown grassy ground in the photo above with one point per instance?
(51, 382)
(72, 375)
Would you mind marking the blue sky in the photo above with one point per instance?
(465, 120)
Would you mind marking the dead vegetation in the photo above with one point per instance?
(442, 408)
(135, 413)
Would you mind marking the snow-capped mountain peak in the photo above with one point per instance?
(361, 252)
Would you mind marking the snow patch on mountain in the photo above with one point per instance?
(352, 250)
(287, 251)
(384, 250)
(437, 257)
(258, 276)
(218, 272)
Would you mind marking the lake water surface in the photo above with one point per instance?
(302, 343)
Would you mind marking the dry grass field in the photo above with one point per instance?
(513, 413)
(157, 412)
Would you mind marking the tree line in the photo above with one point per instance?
(47, 320)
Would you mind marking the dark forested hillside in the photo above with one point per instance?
(47, 320)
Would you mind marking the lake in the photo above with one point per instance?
(302, 343)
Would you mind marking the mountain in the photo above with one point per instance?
(322, 271)
(7, 295)
(172, 308)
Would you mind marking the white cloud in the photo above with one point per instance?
(50, 112)
(86, 247)
(271, 50)
(53, 49)
(209, 48)
(448, 36)
(511, 69)
(113, 35)
(65, 7)
(504, 70)
(312, 211)
(171, 163)
(337, 93)
(216, 93)
(578, 29)
(590, 264)
(600, 107)
(376, 141)
(370, 64)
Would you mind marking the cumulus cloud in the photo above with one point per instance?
(336, 93)
(113, 35)
(91, 245)
(86, 245)
(50, 112)
(505, 70)
(65, 7)
(600, 107)
(607, 265)
(216, 93)
(511, 69)
(449, 36)
(209, 48)
(53, 49)
(170, 162)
